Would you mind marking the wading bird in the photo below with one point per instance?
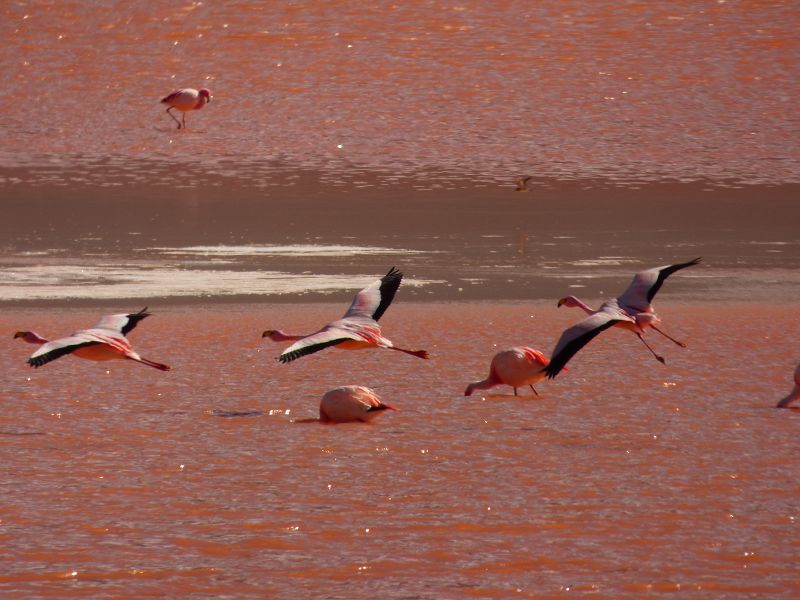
(185, 100)
(632, 310)
(351, 403)
(795, 393)
(516, 367)
(104, 341)
(356, 330)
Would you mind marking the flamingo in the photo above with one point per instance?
(105, 341)
(185, 100)
(351, 403)
(795, 393)
(516, 367)
(356, 330)
(632, 311)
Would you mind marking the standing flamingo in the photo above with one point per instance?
(516, 367)
(632, 310)
(351, 403)
(356, 330)
(185, 100)
(104, 341)
(795, 393)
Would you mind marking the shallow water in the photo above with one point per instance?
(631, 91)
(624, 478)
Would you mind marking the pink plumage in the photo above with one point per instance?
(185, 100)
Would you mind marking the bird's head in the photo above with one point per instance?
(569, 302)
(270, 333)
(21, 334)
(205, 93)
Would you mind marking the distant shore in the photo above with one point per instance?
(470, 239)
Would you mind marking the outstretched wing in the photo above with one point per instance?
(374, 299)
(576, 337)
(316, 342)
(122, 323)
(645, 285)
(57, 348)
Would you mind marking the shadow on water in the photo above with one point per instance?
(236, 413)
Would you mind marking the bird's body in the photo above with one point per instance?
(351, 403)
(795, 393)
(105, 341)
(517, 366)
(358, 329)
(186, 100)
(632, 310)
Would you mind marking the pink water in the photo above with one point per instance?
(624, 478)
(631, 91)
(653, 132)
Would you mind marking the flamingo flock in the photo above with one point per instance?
(358, 329)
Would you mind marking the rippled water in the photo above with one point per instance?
(630, 91)
(624, 478)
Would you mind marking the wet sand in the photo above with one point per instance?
(212, 243)
(624, 478)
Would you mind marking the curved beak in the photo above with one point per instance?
(561, 302)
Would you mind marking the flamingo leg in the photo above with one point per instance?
(173, 116)
(183, 118)
(653, 352)
(417, 353)
(515, 391)
(534, 389)
(681, 344)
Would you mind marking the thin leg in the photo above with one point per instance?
(681, 344)
(183, 118)
(534, 389)
(417, 353)
(515, 391)
(173, 116)
(653, 352)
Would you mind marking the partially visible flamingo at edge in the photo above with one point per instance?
(794, 394)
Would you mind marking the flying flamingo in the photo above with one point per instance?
(104, 341)
(185, 100)
(356, 330)
(795, 393)
(351, 403)
(516, 367)
(632, 311)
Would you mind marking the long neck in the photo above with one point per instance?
(31, 337)
(487, 383)
(573, 302)
(279, 336)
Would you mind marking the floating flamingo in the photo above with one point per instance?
(795, 393)
(516, 367)
(356, 330)
(185, 100)
(104, 341)
(632, 310)
(351, 403)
